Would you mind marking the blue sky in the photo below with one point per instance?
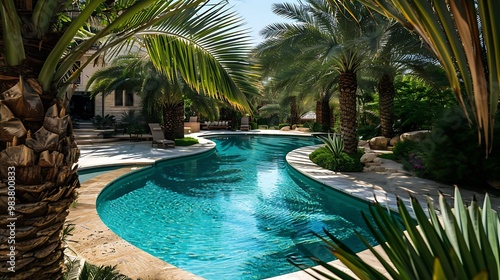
(258, 14)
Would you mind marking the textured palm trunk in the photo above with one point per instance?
(326, 114)
(385, 88)
(294, 112)
(179, 120)
(332, 119)
(173, 118)
(319, 112)
(38, 180)
(347, 98)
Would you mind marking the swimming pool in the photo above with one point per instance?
(236, 213)
(87, 174)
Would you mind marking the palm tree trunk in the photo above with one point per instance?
(179, 120)
(294, 113)
(385, 88)
(319, 113)
(173, 118)
(348, 86)
(326, 113)
(38, 181)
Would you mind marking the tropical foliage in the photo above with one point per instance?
(452, 155)
(322, 61)
(330, 51)
(333, 142)
(162, 99)
(418, 104)
(462, 35)
(343, 163)
(463, 243)
(332, 156)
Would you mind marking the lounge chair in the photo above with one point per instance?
(159, 138)
(245, 125)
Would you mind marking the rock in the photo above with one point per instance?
(361, 143)
(294, 127)
(394, 140)
(376, 169)
(377, 160)
(379, 143)
(417, 136)
(370, 164)
(285, 128)
(391, 170)
(368, 157)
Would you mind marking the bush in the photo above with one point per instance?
(344, 163)
(253, 125)
(403, 149)
(107, 121)
(136, 128)
(417, 105)
(317, 127)
(389, 157)
(452, 153)
(186, 141)
(368, 131)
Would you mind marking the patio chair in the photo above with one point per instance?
(245, 125)
(159, 138)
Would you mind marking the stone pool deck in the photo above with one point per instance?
(99, 245)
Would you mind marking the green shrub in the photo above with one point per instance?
(186, 141)
(403, 149)
(253, 125)
(389, 156)
(417, 105)
(313, 126)
(343, 163)
(368, 131)
(452, 153)
(136, 128)
(317, 127)
(107, 121)
(333, 142)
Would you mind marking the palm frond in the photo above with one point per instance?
(209, 51)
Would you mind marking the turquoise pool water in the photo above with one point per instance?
(236, 213)
(87, 174)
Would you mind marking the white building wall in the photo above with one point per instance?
(110, 108)
(109, 100)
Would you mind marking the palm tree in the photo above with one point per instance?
(321, 41)
(162, 98)
(38, 151)
(462, 35)
(395, 51)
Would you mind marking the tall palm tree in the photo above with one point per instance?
(462, 35)
(38, 152)
(322, 40)
(395, 51)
